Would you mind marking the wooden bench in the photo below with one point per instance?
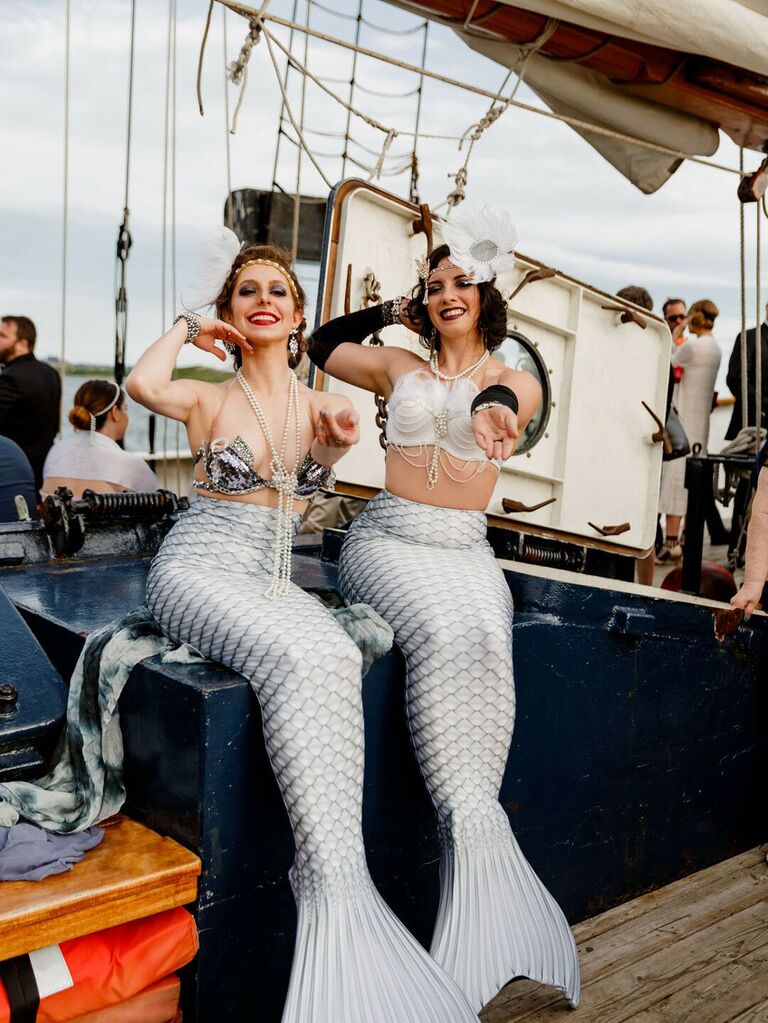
(132, 873)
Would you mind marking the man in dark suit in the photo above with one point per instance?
(734, 378)
(30, 393)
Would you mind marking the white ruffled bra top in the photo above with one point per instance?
(424, 412)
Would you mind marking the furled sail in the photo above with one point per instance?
(670, 72)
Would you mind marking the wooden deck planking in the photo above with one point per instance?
(696, 950)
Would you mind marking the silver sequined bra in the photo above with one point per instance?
(229, 470)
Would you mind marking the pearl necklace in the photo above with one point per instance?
(441, 418)
(283, 481)
(468, 372)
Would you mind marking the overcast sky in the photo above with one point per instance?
(572, 209)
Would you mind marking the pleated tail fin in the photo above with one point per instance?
(354, 962)
(497, 921)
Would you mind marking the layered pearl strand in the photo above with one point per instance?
(441, 418)
(283, 481)
(468, 372)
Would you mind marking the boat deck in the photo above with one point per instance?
(695, 951)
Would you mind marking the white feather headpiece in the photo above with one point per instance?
(216, 259)
(482, 242)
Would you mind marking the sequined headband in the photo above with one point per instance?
(277, 266)
(424, 272)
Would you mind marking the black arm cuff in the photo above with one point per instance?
(496, 394)
(354, 328)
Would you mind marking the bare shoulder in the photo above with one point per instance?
(209, 397)
(403, 360)
(497, 373)
(208, 393)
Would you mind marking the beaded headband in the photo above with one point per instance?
(422, 266)
(277, 266)
(95, 416)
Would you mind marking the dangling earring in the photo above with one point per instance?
(230, 346)
(293, 344)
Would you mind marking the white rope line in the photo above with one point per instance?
(298, 66)
(758, 335)
(470, 16)
(289, 111)
(377, 169)
(312, 77)
(743, 288)
(413, 193)
(174, 124)
(164, 243)
(302, 109)
(494, 111)
(574, 122)
(281, 133)
(226, 103)
(65, 208)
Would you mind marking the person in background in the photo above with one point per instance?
(16, 480)
(30, 393)
(674, 312)
(89, 458)
(733, 379)
(756, 559)
(700, 358)
(639, 296)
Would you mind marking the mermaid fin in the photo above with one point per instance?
(497, 921)
(354, 961)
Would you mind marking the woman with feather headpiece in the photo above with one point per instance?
(221, 582)
(418, 554)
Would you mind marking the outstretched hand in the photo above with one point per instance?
(337, 432)
(747, 598)
(213, 330)
(496, 431)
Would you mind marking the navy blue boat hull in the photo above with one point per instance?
(638, 757)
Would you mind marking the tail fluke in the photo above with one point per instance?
(497, 921)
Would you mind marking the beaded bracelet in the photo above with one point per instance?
(391, 310)
(193, 326)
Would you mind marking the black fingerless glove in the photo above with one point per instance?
(354, 328)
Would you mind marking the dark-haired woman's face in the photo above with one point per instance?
(262, 305)
(452, 301)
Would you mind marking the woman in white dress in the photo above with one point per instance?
(89, 457)
(699, 358)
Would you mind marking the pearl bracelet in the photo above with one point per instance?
(485, 405)
(193, 326)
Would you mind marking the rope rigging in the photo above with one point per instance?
(65, 202)
(124, 240)
(575, 122)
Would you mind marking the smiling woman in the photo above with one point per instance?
(418, 555)
(221, 581)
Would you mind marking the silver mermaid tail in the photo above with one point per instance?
(431, 574)
(353, 960)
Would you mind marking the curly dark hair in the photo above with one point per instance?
(275, 255)
(492, 321)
